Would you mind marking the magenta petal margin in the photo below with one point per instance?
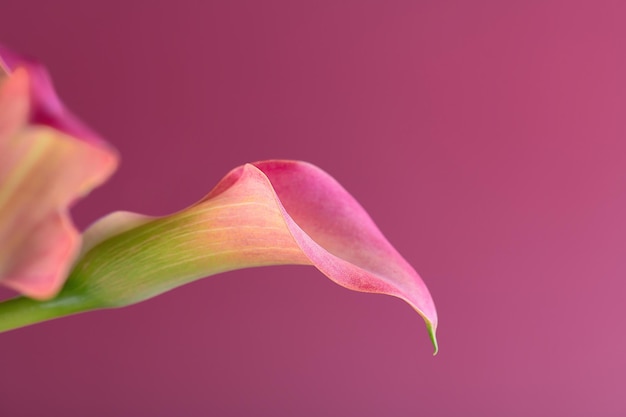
(338, 236)
(45, 108)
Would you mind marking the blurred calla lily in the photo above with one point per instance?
(47, 160)
(266, 213)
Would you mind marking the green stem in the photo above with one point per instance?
(19, 312)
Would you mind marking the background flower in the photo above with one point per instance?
(47, 160)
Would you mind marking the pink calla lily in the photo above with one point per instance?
(266, 213)
(47, 160)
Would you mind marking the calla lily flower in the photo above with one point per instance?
(265, 213)
(47, 160)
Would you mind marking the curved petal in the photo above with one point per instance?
(267, 213)
(45, 107)
(340, 238)
(47, 160)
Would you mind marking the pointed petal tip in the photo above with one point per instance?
(432, 333)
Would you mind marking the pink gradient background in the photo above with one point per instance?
(487, 139)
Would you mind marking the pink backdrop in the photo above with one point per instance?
(486, 138)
